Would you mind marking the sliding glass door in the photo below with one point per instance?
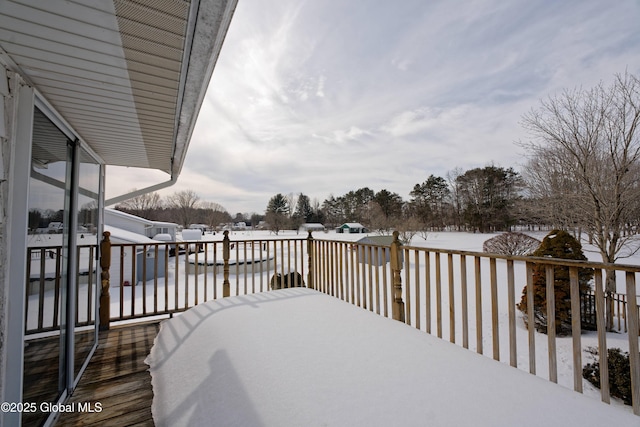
(61, 284)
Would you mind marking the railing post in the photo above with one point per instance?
(226, 252)
(310, 254)
(396, 266)
(105, 265)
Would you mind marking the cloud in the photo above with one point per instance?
(327, 97)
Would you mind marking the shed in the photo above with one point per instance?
(351, 227)
(367, 254)
(148, 257)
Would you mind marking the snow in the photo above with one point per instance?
(297, 357)
(293, 327)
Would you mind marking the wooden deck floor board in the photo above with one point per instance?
(118, 378)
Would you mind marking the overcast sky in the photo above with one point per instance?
(326, 96)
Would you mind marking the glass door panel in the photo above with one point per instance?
(87, 245)
(45, 346)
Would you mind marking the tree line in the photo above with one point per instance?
(480, 200)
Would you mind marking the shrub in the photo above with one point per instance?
(619, 373)
(557, 244)
(512, 243)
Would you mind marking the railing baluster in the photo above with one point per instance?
(602, 337)
(464, 301)
(511, 301)
(427, 290)
(341, 265)
(176, 275)
(155, 279)
(576, 330)
(56, 298)
(41, 286)
(186, 276)
(244, 254)
(206, 272)
(282, 263)
(144, 278)
(452, 301)
(237, 267)
(121, 279)
(407, 286)
(90, 304)
(551, 323)
(479, 344)
(352, 270)
(358, 273)
(370, 268)
(385, 295)
(416, 261)
(215, 270)
(438, 295)
(166, 278)
(494, 309)
(634, 329)
(133, 282)
(531, 329)
(379, 262)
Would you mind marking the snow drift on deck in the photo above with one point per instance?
(296, 357)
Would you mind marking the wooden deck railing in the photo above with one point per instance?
(459, 295)
(464, 297)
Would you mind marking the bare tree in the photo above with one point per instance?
(143, 206)
(511, 243)
(215, 214)
(185, 203)
(585, 156)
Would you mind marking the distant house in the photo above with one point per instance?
(312, 226)
(138, 225)
(373, 256)
(351, 227)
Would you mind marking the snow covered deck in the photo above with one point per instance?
(299, 357)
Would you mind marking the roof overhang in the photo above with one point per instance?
(128, 76)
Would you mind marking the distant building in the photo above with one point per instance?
(312, 226)
(376, 255)
(351, 227)
(135, 241)
(139, 225)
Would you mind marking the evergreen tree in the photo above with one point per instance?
(557, 244)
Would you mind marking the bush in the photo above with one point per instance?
(619, 373)
(557, 244)
(512, 243)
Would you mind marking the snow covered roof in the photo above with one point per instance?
(352, 225)
(134, 218)
(312, 226)
(118, 235)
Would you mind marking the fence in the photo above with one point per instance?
(466, 297)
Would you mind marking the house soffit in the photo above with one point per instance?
(116, 70)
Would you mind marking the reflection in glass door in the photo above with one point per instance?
(86, 240)
(47, 253)
(61, 286)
